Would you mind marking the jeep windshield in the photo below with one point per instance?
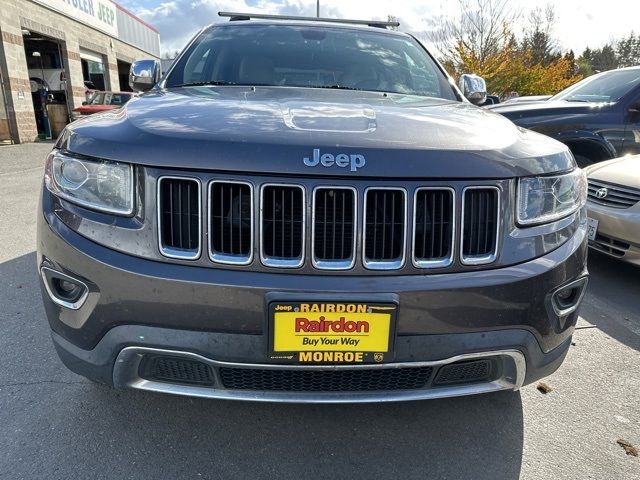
(311, 57)
(606, 87)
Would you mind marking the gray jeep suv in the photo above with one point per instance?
(310, 211)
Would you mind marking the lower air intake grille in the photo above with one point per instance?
(359, 380)
(231, 210)
(480, 225)
(179, 220)
(282, 225)
(333, 227)
(176, 370)
(609, 245)
(464, 372)
(384, 228)
(433, 229)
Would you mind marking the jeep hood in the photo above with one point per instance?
(271, 130)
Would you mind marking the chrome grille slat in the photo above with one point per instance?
(334, 227)
(231, 218)
(480, 224)
(433, 227)
(179, 217)
(282, 225)
(380, 222)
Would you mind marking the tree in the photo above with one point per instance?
(628, 51)
(598, 60)
(538, 38)
(478, 29)
(570, 57)
(392, 18)
(584, 62)
(513, 69)
(170, 55)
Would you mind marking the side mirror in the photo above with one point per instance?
(144, 74)
(474, 88)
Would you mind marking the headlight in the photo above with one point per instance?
(546, 199)
(98, 184)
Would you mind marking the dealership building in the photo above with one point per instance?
(55, 52)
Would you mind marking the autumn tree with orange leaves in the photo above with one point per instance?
(480, 40)
(513, 69)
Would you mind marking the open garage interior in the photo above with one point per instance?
(93, 70)
(48, 83)
(123, 75)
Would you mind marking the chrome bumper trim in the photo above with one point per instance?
(125, 375)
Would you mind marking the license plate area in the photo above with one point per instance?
(592, 225)
(328, 333)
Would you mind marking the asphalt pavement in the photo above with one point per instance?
(57, 425)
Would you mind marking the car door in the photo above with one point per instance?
(631, 143)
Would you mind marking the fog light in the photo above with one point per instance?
(566, 299)
(63, 289)
(67, 286)
(566, 294)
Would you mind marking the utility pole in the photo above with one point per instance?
(318, 8)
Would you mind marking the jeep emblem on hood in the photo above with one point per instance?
(340, 160)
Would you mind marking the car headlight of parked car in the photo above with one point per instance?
(97, 184)
(547, 199)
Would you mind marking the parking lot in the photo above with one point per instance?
(57, 425)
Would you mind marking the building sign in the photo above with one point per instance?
(100, 14)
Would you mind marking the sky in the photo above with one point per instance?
(579, 23)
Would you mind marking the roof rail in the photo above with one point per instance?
(234, 16)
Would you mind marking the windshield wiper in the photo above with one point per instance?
(335, 87)
(206, 83)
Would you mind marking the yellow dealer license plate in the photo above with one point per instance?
(331, 333)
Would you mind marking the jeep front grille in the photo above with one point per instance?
(349, 228)
(230, 222)
(480, 207)
(282, 225)
(179, 217)
(384, 228)
(433, 227)
(334, 227)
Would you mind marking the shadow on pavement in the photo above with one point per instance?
(474, 437)
(612, 301)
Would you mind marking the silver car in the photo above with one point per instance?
(613, 206)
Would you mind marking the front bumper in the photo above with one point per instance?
(137, 307)
(618, 231)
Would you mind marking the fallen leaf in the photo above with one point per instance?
(544, 388)
(628, 448)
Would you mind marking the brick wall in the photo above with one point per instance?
(16, 15)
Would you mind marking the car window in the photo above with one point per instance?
(310, 56)
(609, 86)
(97, 99)
(119, 99)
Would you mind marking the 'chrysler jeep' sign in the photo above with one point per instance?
(100, 14)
